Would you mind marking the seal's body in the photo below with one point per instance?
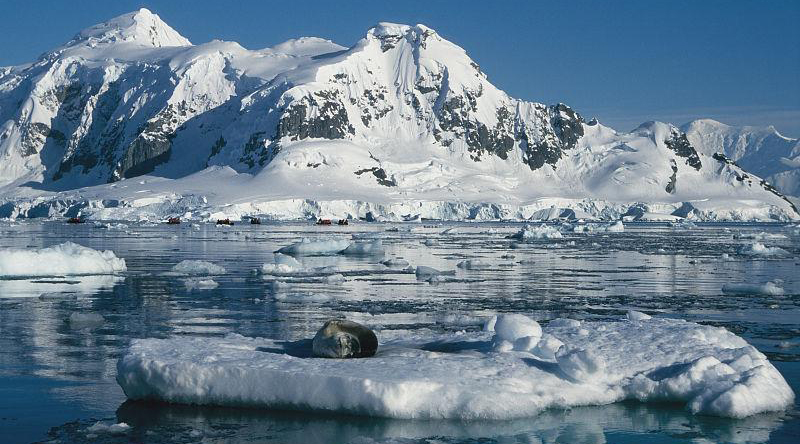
(340, 338)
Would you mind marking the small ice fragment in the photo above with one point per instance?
(474, 264)
(636, 316)
(768, 289)
(200, 284)
(392, 263)
(198, 268)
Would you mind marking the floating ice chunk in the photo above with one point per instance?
(395, 263)
(452, 230)
(430, 243)
(709, 369)
(308, 247)
(200, 284)
(529, 233)
(423, 272)
(759, 249)
(113, 429)
(278, 269)
(615, 227)
(198, 268)
(59, 260)
(334, 279)
(768, 288)
(636, 316)
(519, 330)
(373, 248)
(580, 364)
(86, 320)
(475, 264)
(301, 297)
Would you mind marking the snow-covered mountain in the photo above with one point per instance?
(760, 150)
(402, 122)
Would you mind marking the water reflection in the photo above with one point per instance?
(621, 422)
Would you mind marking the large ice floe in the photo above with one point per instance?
(320, 247)
(67, 259)
(569, 363)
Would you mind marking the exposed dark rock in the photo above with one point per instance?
(561, 131)
(331, 120)
(673, 178)
(680, 144)
(380, 176)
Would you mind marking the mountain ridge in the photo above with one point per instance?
(403, 110)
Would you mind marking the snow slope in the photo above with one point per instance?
(130, 120)
(760, 150)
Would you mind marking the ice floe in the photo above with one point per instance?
(198, 268)
(307, 247)
(530, 233)
(59, 260)
(759, 249)
(475, 264)
(200, 284)
(371, 248)
(767, 288)
(422, 374)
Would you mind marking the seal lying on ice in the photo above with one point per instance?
(340, 338)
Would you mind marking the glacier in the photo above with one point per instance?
(131, 121)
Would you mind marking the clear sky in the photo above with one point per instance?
(623, 62)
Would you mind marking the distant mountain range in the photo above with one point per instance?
(401, 123)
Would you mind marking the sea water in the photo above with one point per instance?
(60, 337)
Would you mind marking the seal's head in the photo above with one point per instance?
(340, 338)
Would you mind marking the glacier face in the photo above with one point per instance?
(401, 118)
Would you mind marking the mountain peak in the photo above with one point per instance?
(141, 27)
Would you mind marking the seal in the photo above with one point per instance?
(340, 338)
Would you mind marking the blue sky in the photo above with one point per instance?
(624, 62)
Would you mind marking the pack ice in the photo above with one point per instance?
(59, 260)
(709, 369)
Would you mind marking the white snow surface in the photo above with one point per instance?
(421, 374)
(59, 260)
